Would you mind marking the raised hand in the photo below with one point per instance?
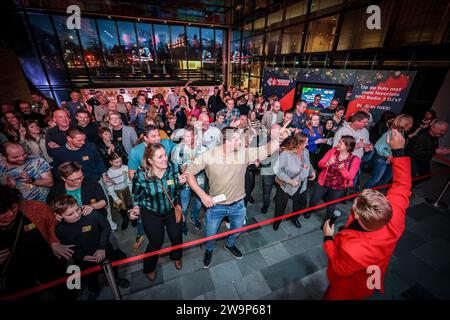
(22, 132)
(396, 141)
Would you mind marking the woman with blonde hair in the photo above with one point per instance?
(382, 163)
(156, 199)
(292, 171)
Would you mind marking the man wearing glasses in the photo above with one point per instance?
(87, 191)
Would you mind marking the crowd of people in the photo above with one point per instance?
(158, 160)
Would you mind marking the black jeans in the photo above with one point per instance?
(419, 169)
(267, 184)
(154, 229)
(328, 195)
(250, 174)
(299, 202)
(24, 273)
(314, 158)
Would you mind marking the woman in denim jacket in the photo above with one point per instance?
(382, 163)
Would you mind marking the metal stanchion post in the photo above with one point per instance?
(109, 274)
(437, 203)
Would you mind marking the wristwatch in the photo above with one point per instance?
(32, 180)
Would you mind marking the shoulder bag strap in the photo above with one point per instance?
(167, 195)
(16, 240)
(350, 163)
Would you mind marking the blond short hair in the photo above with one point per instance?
(402, 122)
(373, 209)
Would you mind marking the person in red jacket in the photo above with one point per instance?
(358, 256)
(29, 247)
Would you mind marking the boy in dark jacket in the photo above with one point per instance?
(90, 235)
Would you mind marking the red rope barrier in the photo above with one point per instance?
(442, 158)
(198, 241)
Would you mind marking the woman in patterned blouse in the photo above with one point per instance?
(339, 167)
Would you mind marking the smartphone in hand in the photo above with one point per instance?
(331, 221)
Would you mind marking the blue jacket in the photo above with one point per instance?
(312, 146)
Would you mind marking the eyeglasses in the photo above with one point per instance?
(76, 179)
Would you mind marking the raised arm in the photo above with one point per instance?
(398, 195)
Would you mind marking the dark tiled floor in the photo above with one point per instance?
(291, 264)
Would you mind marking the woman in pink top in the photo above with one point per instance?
(195, 107)
(339, 167)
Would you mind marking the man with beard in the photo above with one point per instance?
(31, 175)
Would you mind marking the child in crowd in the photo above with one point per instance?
(90, 236)
(120, 191)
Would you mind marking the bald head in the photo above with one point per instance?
(61, 119)
(204, 118)
(14, 153)
(439, 128)
(276, 106)
(59, 113)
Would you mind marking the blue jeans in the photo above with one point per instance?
(419, 169)
(381, 172)
(367, 159)
(139, 227)
(235, 211)
(185, 195)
